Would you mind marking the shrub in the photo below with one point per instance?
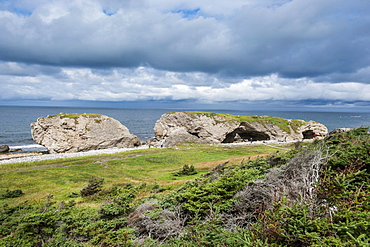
(11, 194)
(186, 171)
(95, 185)
(119, 206)
(73, 195)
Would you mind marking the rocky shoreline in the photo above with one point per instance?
(30, 157)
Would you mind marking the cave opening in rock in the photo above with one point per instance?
(194, 134)
(308, 134)
(245, 135)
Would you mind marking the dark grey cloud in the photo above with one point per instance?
(185, 50)
(293, 38)
(305, 38)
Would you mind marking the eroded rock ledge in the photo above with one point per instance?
(202, 127)
(67, 133)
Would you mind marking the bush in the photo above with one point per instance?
(186, 171)
(11, 194)
(95, 185)
(119, 206)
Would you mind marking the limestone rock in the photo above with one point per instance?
(66, 133)
(180, 127)
(201, 127)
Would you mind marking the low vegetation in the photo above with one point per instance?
(196, 195)
(151, 166)
(75, 116)
(266, 121)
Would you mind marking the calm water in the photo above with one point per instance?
(15, 121)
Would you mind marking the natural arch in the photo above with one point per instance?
(245, 135)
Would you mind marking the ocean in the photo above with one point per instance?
(15, 121)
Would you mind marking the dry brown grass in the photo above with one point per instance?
(231, 161)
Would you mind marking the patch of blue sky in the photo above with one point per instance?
(21, 12)
(187, 13)
(18, 11)
(108, 13)
(9, 5)
(278, 3)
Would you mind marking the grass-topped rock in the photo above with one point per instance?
(207, 127)
(67, 132)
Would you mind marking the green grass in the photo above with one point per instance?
(75, 116)
(282, 123)
(152, 166)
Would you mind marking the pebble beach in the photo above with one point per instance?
(30, 157)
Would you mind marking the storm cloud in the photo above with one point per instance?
(205, 50)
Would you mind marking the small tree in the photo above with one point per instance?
(95, 185)
(186, 170)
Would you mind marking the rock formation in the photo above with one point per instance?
(201, 127)
(4, 149)
(66, 133)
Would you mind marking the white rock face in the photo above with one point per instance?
(67, 133)
(182, 127)
(179, 127)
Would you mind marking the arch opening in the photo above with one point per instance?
(245, 135)
(308, 134)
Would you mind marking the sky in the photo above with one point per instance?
(255, 54)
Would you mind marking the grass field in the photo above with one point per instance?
(154, 167)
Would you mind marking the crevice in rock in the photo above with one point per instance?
(195, 134)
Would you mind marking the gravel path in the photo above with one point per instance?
(68, 155)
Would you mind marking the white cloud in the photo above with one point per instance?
(149, 84)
